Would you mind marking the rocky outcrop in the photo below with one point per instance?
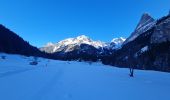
(146, 23)
(161, 32)
(149, 50)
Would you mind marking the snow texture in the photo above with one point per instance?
(62, 80)
(117, 43)
(144, 49)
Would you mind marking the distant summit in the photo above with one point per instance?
(118, 40)
(67, 45)
(146, 22)
(145, 19)
(82, 47)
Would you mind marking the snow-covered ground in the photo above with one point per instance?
(61, 80)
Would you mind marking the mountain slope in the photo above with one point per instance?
(146, 22)
(10, 42)
(82, 48)
(116, 43)
(149, 50)
(68, 45)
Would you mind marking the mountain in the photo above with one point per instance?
(82, 47)
(70, 44)
(148, 47)
(79, 48)
(146, 22)
(11, 43)
(116, 43)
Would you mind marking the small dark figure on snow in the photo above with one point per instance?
(34, 62)
(131, 72)
(132, 62)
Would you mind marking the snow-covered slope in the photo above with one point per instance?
(116, 43)
(59, 80)
(118, 40)
(68, 44)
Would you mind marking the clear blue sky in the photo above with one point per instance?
(42, 21)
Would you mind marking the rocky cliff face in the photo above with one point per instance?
(146, 23)
(150, 49)
(161, 32)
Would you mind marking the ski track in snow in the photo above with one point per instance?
(78, 81)
(12, 72)
(54, 83)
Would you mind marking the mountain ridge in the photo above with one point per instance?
(65, 44)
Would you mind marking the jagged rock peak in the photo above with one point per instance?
(145, 19)
(146, 22)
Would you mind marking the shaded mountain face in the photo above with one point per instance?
(83, 52)
(161, 32)
(12, 43)
(150, 49)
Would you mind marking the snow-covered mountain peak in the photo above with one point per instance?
(81, 40)
(78, 40)
(49, 44)
(118, 40)
(69, 44)
(66, 41)
(66, 44)
(83, 37)
(116, 43)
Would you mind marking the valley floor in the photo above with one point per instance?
(61, 80)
